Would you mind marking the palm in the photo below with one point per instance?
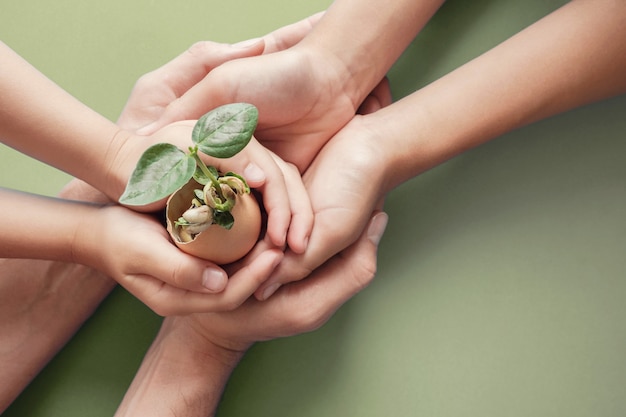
(297, 115)
(345, 184)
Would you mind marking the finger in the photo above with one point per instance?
(302, 216)
(340, 215)
(195, 63)
(201, 58)
(181, 270)
(339, 279)
(289, 35)
(305, 305)
(261, 171)
(329, 236)
(167, 300)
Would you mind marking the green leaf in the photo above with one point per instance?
(226, 130)
(199, 195)
(224, 219)
(201, 177)
(161, 170)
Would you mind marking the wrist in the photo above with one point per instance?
(368, 37)
(375, 139)
(182, 374)
(348, 70)
(120, 160)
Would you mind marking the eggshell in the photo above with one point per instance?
(217, 244)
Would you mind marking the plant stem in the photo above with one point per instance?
(206, 171)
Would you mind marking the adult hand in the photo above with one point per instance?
(188, 365)
(156, 90)
(303, 95)
(346, 182)
(285, 200)
(299, 306)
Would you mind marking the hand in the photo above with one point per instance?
(346, 182)
(155, 91)
(290, 219)
(188, 364)
(151, 92)
(299, 306)
(296, 94)
(285, 199)
(303, 97)
(135, 250)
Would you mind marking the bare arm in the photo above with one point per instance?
(189, 363)
(365, 38)
(39, 118)
(35, 294)
(42, 304)
(572, 57)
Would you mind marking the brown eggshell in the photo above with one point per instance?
(217, 244)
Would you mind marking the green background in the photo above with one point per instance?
(501, 276)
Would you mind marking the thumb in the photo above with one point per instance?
(206, 86)
(181, 270)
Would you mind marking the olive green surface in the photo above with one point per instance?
(501, 280)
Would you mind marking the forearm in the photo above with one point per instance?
(42, 304)
(40, 119)
(368, 36)
(41, 227)
(182, 374)
(568, 59)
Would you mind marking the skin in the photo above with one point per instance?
(129, 247)
(35, 293)
(573, 68)
(186, 368)
(298, 124)
(333, 69)
(582, 63)
(578, 66)
(62, 124)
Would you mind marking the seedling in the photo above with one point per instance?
(164, 168)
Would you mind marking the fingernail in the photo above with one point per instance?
(214, 280)
(267, 293)
(253, 173)
(247, 43)
(377, 227)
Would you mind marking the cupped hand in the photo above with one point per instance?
(345, 182)
(150, 95)
(284, 197)
(301, 100)
(156, 90)
(298, 307)
(135, 250)
(304, 96)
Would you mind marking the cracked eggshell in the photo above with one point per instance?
(217, 244)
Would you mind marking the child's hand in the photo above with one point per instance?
(135, 250)
(286, 201)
